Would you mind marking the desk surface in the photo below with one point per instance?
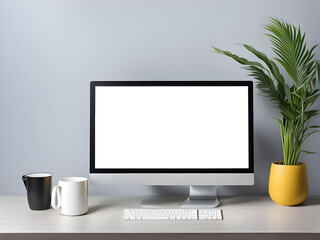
(245, 214)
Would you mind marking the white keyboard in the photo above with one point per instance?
(172, 214)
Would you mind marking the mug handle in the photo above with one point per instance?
(56, 197)
(24, 179)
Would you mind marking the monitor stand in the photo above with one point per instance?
(199, 197)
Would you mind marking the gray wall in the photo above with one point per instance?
(51, 50)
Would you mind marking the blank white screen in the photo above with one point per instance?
(171, 127)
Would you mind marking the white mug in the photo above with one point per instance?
(71, 196)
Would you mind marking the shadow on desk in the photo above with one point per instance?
(310, 202)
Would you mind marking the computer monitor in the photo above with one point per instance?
(197, 133)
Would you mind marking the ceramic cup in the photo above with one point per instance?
(70, 196)
(38, 187)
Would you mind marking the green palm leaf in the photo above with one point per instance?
(284, 89)
(293, 98)
(289, 44)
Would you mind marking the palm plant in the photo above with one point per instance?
(295, 96)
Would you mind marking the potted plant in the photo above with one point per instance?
(294, 96)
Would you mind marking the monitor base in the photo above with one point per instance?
(201, 197)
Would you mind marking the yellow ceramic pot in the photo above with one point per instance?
(288, 184)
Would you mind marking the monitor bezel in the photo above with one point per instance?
(94, 84)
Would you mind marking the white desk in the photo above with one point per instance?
(244, 215)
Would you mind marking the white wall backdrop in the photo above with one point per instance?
(51, 50)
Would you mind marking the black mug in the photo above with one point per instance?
(38, 187)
